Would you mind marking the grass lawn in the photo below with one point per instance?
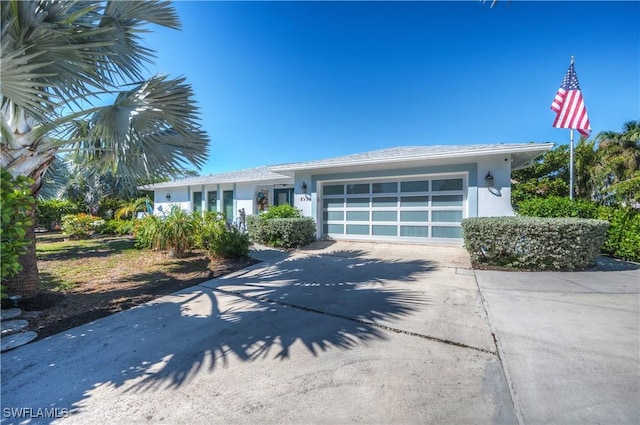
(87, 279)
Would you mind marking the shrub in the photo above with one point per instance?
(534, 243)
(623, 240)
(556, 206)
(116, 227)
(49, 212)
(219, 240)
(80, 226)
(281, 232)
(16, 210)
(147, 232)
(175, 233)
(256, 228)
(281, 211)
(623, 236)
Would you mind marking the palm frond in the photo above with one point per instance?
(150, 129)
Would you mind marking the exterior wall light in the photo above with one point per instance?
(168, 197)
(304, 188)
(488, 179)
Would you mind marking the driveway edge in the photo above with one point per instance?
(499, 349)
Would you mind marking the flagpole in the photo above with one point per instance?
(571, 166)
(571, 113)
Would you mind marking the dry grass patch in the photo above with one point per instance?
(87, 279)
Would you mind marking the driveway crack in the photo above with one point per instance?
(353, 319)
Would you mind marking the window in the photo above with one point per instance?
(197, 202)
(212, 201)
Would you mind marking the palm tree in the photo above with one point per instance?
(57, 59)
(132, 207)
(619, 162)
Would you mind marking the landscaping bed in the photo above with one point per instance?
(85, 280)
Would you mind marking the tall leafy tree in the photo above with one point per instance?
(618, 170)
(548, 176)
(60, 58)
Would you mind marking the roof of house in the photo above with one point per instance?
(522, 155)
(246, 175)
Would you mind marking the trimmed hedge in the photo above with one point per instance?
(281, 232)
(623, 237)
(534, 243)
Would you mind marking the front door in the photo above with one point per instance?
(283, 196)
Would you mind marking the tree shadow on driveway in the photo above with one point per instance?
(322, 302)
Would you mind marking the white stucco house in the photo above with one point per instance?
(404, 194)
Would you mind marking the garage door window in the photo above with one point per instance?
(411, 209)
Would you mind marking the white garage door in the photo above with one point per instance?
(417, 209)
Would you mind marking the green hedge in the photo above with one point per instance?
(534, 243)
(623, 237)
(281, 232)
(623, 240)
(556, 206)
(49, 212)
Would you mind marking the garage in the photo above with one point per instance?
(417, 208)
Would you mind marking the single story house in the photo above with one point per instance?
(405, 194)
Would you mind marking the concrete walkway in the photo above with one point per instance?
(346, 333)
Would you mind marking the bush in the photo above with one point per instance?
(147, 232)
(256, 228)
(175, 233)
(49, 212)
(281, 211)
(556, 206)
(219, 240)
(80, 226)
(116, 227)
(534, 243)
(16, 210)
(623, 239)
(281, 232)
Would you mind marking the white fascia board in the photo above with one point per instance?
(166, 185)
(543, 147)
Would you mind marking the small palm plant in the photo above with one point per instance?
(174, 234)
(130, 209)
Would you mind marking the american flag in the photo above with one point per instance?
(569, 105)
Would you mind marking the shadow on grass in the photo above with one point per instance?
(87, 248)
(313, 302)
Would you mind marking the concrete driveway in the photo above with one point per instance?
(570, 342)
(337, 333)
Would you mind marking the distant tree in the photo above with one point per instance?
(606, 169)
(548, 176)
(58, 58)
(619, 164)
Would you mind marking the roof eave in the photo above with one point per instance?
(538, 148)
(181, 184)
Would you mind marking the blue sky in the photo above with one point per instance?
(282, 82)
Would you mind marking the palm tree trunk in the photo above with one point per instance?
(27, 282)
